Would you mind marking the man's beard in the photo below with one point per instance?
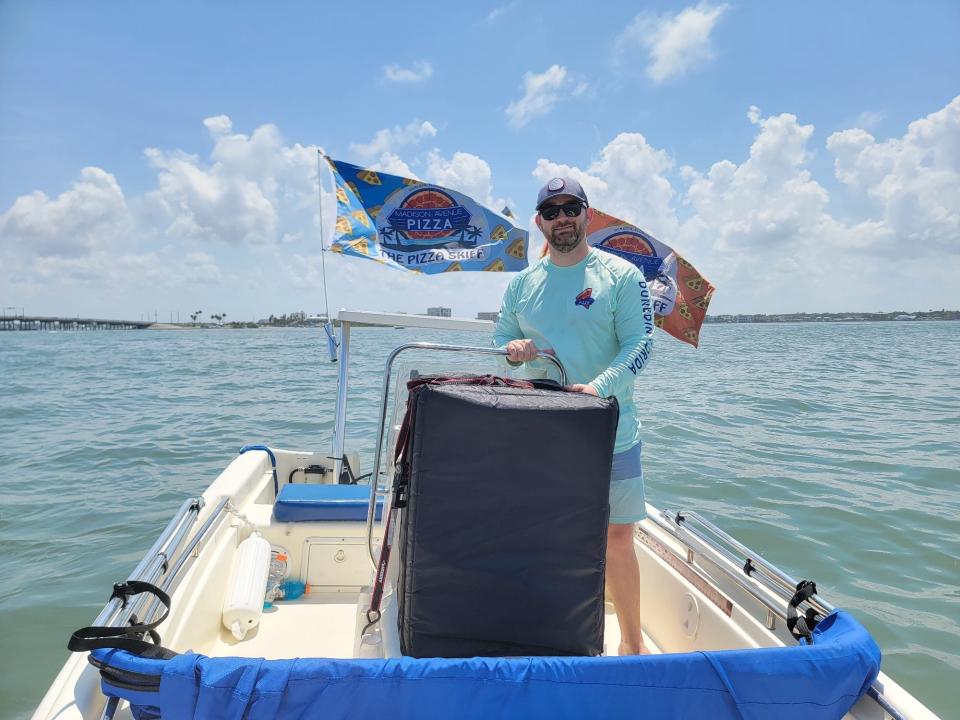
(572, 236)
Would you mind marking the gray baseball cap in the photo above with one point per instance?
(561, 186)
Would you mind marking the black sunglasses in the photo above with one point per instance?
(570, 209)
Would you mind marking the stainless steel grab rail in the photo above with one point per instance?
(384, 401)
(769, 575)
(153, 564)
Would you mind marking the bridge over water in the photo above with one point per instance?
(37, 322)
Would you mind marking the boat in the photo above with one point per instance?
(186, 635)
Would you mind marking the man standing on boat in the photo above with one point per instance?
(592, 309)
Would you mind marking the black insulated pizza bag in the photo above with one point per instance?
(503, 536)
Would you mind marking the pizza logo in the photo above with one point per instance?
(630, 244)
(369, 177)
(499, 233)
(342, 196)
(585, 299)
(496, 266)
(454, 267)
(361, 217)
(426, 216)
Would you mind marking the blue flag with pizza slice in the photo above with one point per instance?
(413, 225)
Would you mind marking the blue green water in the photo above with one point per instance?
(831, 449)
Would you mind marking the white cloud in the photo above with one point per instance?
(389, 140)
(913, 182)
(88, 216)
(240, 224)
(498, 12)
(762, 229)
(675, 44)
(253, 187)
(421, 70)
(770, 200)
(465, 173)
(542, 92)
(627, 180)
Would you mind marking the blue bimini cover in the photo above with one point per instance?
(803, 682)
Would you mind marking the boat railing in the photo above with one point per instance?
(350, 319)
(155, 563)
(375, 489)
(164, 563)
(722, 550)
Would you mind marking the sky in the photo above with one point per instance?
(161, 158)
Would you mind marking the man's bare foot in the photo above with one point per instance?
(624, 649)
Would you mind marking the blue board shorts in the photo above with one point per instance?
(627, 499)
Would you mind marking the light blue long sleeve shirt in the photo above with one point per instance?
(596, 316)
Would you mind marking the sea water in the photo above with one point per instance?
(829, 448)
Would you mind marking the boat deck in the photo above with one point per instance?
(325, 625)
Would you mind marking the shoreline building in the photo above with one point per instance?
(439, 312)
(493, 316)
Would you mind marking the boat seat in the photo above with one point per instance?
(311, 502)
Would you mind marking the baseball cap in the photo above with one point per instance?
(561, 186)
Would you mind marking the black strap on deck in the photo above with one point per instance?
(130, 637)
(802, 626)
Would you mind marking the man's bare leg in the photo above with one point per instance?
(623, 582)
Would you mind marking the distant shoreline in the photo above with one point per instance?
(27, 323)
(836, 317)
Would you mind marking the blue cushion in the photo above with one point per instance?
(310, 502)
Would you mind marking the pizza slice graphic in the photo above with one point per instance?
(361, 217)
(369, 177)
(517, 249)
(344, 227)
(453, 267)
(496, 266)
(499, 233)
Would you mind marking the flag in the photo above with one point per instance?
(680, 295)
(413, 225)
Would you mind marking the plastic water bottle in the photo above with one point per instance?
(292, 589)
(278, 572)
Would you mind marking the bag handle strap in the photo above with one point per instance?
(124, 637)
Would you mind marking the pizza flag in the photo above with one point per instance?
(412, 225)
(680, 294)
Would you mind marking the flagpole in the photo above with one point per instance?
(323, 248)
